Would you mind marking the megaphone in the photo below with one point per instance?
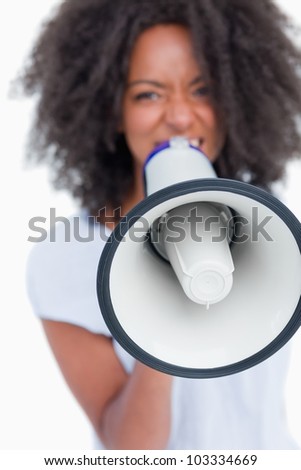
(203, 277)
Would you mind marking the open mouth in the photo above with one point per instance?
(198, 143)
(195, 142)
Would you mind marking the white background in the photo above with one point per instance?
(37, 411)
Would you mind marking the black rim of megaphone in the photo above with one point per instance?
(104, 269)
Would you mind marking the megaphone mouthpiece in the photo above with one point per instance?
(175, 162)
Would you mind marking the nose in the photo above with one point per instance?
(179, 114)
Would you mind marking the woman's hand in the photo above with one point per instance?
(127, 411)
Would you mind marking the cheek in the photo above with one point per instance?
(137, 125)
(209, 117)
(213, 131)
(214, 123)
(139, 119)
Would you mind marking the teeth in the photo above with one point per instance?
(195, 142)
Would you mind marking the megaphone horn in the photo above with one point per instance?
(203, 277)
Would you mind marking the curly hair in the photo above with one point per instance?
(78, 68)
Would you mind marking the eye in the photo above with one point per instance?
(147, 96)
(202, 91)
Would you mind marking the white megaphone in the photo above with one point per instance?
(203, 277)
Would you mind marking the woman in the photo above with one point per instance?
(115, 79)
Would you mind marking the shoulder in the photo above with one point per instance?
(69, 244)
(61, 272)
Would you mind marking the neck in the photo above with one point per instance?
(136, 193)
(134, 196)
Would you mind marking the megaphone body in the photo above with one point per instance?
(203, 277)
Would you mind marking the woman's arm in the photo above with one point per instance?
(127, 411)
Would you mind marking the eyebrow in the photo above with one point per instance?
(146, 82)
(196, 80)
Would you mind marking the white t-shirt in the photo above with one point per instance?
(242, 411)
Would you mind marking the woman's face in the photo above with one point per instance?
(167, 95)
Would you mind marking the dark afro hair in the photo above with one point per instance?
(79, 65)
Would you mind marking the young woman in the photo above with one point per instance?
(114, 80)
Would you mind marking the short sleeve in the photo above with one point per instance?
(61, 274)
